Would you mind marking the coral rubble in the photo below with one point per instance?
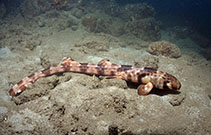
(164, 48)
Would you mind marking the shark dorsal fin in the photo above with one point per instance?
(105, 62)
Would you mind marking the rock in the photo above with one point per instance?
(151, 61)
(29, 8)
(5, 52)
(129, 12)
(90, 22)
(164, 48)
(69, 23)
(146, 29)
(74, 28)
(41, 23)
(44, 61)
(177, 100)
(2, 35)
(92, 47)
(3, 113)
(113, 130)
(78, 13)
(59, 4)
(38, 89)
(207, 53)
(96, 24)
(53, 14)
(3, 110)
(30, 44)
(148, 61)
(138, 20)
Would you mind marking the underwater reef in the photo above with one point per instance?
(145, 35)
(136, 19)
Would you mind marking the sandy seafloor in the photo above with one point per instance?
(74, 103)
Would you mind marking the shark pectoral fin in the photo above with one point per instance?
(145, 89)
